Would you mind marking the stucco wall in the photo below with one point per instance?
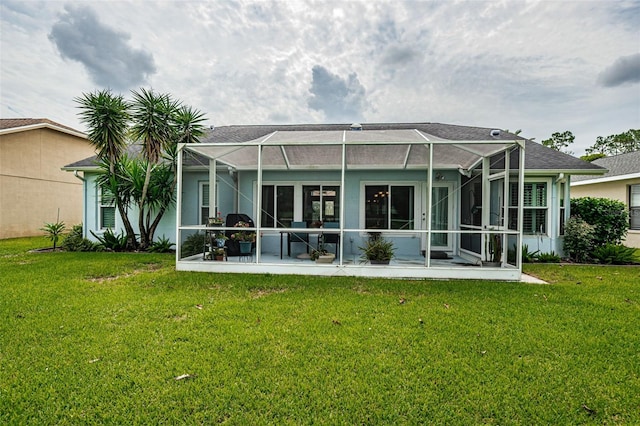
(32, 186)
(617, 190)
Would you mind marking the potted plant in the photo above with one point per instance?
(321, 255)
(245, 238)
(215, 221)
(218, 253)
(493, 250)
(377, 250)
(220, 238)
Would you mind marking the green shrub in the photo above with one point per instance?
(529, 256)
(74, 241)
(548, 258)
(162, 245)
(578, 239)
(53, 231)
(610, 218)
(193, 244)
(377, 248)
(616, 254)
(111, 242)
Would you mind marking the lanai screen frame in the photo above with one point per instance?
(479, 148)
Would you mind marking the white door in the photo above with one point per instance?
(441, 216)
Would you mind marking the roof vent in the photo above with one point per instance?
(356, 126)
(495, 132)
(212, 127)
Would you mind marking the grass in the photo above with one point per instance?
(102, 337)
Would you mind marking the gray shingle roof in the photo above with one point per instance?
(537, 157)
(618, 165)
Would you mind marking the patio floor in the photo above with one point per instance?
(400, 267)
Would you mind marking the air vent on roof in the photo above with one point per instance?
(212, 127)
(356, 126)
(495, 132)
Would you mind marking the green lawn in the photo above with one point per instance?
(102, 337)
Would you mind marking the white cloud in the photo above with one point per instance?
(532, 65)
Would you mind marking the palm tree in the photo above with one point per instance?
(188, 128)
(153, 125)
(106, 116)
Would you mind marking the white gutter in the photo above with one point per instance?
(606, 179)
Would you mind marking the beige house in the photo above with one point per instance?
(621, 182)
(32, 186)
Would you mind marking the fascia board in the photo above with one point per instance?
(606, 179)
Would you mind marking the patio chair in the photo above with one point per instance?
(331, 238)
(297, 237)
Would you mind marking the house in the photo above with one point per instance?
(486, 192)
(621, 182)
(33, 189)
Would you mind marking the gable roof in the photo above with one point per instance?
(537, 157)
(13, 125)
(621, 166)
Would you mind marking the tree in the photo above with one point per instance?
(107, 117)
(622, 143)
(560, 141)
(158, 123)
(153, 117)
(592, 157)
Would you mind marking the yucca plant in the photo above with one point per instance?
(53, 231)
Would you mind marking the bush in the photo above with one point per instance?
(610, 218)
(192, 245)
(578, 239)
(528, 256)
(110, 242)
(616, 254)
(548, 258)
(163, 245)
(74, 241)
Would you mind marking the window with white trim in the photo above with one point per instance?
(277, 206)
(107, 209)
(320, 203)
(634, 207)
(389, 206)
(203, 202)
(535, 207)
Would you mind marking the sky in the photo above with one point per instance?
(536, 66)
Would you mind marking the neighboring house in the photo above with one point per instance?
(621, 182)
(370, 178)
(33, 189)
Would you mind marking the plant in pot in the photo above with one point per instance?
(377, 250)
(218, 253)
(245, 238)
(220, 239)
(321, 254)
(215, 221)
(493, 250)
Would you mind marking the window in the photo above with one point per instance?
(203, 202)
(389, 207)
(534, 207)
(634, 207)
(277, 206)
(107, 209)
(320, 203)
